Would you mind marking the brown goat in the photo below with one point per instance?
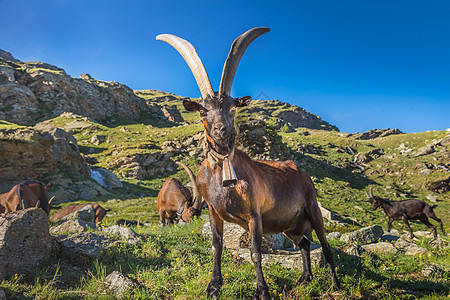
(99, 212)
(25, 195)
(264, 197)
(176, 202)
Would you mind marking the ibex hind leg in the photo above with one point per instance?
(317, 223)
(305, 247)
(434, 217)
(299, 241)
(425, 221)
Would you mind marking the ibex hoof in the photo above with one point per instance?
(262, 293)
(213, 288)
(306, 278)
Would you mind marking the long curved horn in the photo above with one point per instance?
(238, 48)
(191, 57)
(195, 195)
(51, 199)
(370, 191)
(367, 194)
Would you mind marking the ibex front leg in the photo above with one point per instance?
(217, 243)
(255, 226)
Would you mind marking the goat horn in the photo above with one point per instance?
(191, 57)
(367, 194)
(371, 194)
(51, 199)
(238, 48)
(38, 203)
(195, 196)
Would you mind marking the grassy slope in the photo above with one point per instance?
(174, 263)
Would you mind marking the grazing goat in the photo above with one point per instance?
(175, 201)
(264, 197)
(25, 195)
(405, 210)
(99, 212)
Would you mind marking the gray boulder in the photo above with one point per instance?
(409, 248)
(381, 247)
(118, 283)
(438, 243)
(25, 240)
(426, 172)
(235, 237)
(125, 233)
(329, 215)
(84, 245)
(86, 214)
(72, 226)
(364, 235)
(425, 150)
(287, 259)
(354, 250)
(430, 270)
(334, 235)
(363, 158)
(106, 178)
(97, 139)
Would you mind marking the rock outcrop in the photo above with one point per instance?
(72, 226)
(32, 90)
(25, 241)
(375, 133)
(84, 245)
(126, 234)
(30, 153)
(118, 283)
(364, 235)
(288, 116)
(259, 141)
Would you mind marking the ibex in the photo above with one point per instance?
(26, 195)
(405, 210)
(264, 197)
(99, 212)
(175, 201)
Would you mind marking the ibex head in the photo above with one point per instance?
(217, 109)
(375, 201)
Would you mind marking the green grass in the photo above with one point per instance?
(176, 263)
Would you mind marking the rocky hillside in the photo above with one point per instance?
(33, 91)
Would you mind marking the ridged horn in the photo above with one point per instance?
(238, 48)
(194, 62)
(371, 193)
(196, 198)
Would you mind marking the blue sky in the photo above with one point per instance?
(357, 64)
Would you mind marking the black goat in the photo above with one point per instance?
(406, 210)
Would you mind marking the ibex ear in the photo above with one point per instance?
(243, 101)
(191, 105)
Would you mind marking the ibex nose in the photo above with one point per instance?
(219, 129)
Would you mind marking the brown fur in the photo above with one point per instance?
(269, 197)
(30, 193)
(171, 196)
(99, 212)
